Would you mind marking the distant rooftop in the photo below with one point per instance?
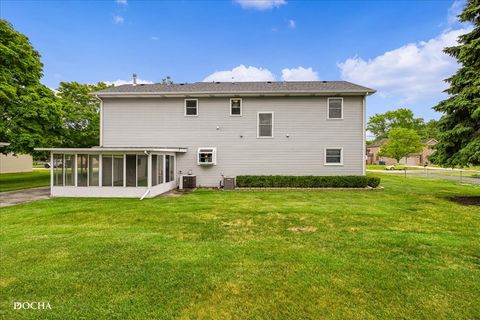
(254, 88)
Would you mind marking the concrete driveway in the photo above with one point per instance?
(11, 198)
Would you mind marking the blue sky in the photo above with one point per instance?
(392, 46)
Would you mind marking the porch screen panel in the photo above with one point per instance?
(107, 166)
(131, 174)
(169, 168)
(154, 170)
(118, 171)
(142, 170)
(69, 169)
(82, 170)
(57, 169)
(93, 170)
(172, 168)
(160, 169)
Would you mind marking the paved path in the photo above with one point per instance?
(11, 198)
(420, 173)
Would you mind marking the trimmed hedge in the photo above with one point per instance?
(306, 181)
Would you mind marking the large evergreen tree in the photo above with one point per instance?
(460, 125)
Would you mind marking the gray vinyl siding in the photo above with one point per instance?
(133, 122)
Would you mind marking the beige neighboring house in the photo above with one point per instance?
(11, 162)
(415, 159)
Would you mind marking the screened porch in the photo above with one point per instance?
(112, 172)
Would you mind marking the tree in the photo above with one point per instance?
(29, 111)
(381, 124)
(459, 141)
(401, 143)
(80, 110)
(167, 80)
(430, 130)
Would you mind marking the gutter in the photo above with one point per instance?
(229, 94)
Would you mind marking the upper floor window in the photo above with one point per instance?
(265, 125)
(191, 107)
(333, 156)
(335, 108)
(236, 107)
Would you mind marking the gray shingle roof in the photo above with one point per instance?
(240, 87)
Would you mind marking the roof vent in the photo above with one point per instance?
(324, 81)
(134, 79)
(218, 82)
(182, 84)
(269, 81)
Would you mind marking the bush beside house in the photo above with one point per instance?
(307, 182)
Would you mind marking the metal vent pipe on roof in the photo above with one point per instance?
(134, 80)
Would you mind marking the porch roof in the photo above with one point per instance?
(115, 149)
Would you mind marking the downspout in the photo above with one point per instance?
(149, 170)
(364, 145)
(101, 120)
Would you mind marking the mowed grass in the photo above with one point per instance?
(24, 180)
(405, 252)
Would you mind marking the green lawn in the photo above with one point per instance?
(406, 252)
(24, 180)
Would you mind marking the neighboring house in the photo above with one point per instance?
(152, 134)
(415, 159)
(11, 163)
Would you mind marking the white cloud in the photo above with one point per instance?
(154, 38)
(120, 82)
(412, 72)
(241, 73)
(118, 19)
(454, 10)
(260, 4)
(121, 1)
(292, 24)
(299, 74)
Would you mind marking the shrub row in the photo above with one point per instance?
(307, 182)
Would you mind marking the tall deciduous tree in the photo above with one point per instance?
(80, 114)
(459, 143)
(29, 111)
(381, 124)
(401, 143)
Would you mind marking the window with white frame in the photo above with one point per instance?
(191, 107)
(207, 156)
(335, 108)
(265, 125)
(236, 107)
(333, 156)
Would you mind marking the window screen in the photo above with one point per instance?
(82, 170)
(235, 107)
(107, 165)
(118, 171)
(93, 167)
(142, 170)
(57, 169)
(335, 108)
(160, 169)
(265, 125)
(154, 170)
(69, 169)
(131, 174)
(191, 107)
(333, 156)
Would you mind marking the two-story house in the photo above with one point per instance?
(151, 134)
